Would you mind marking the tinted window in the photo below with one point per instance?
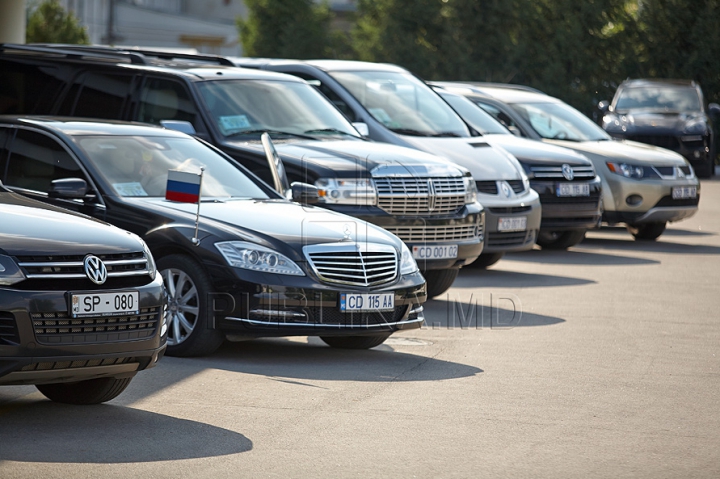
(330, 95)
(476, 117)
(103, 96)
(36, 159)
(165, 100)
(4, 134)
(501, 117)
(28, 89)
(662, 98)
(559, 121)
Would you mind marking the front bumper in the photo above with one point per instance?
(464, 230)
(527, 205)
(569, 212)
(258, 306)
(655, 203)
(694, 148)
(41, 344)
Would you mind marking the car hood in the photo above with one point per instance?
(485, 162)
(653, 122)
(336, 157)
(273, 221)
(536, 152)
(32, 228)
(632, 151)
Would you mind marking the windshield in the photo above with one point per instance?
(403, 103)
(660, 98)
(249, 107)
(138, 166)
(475, 116)
(558, 121)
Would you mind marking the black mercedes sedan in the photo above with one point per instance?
(82, 306)
(243, 262)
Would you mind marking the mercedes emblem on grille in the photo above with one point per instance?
(568, 172)
(95, 269)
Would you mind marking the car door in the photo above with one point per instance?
(34, 159)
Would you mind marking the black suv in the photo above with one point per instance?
(426, 201)
(668, 113)
(82, 307)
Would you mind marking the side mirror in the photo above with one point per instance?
(714, 110)
(177, 125)
(603, 106)
(277, 168)
(71, 188)
(515, 131)
(362, 128)
(305, 193)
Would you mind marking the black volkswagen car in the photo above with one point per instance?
(244, 263)
(81, 303)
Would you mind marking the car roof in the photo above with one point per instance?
(78, 126)
(645, 82)
(504, 92)
(325, 65)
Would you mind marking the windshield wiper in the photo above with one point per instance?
(409, 131)
(329, 130)
(447, 134)
(269, 132)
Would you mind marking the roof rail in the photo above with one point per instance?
(73, 51)
(195, 57)
(507, 86)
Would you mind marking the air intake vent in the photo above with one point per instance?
(8, 329)
(479, 145)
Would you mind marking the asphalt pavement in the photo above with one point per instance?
(600, 361)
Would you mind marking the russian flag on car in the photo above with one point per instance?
(183, 186)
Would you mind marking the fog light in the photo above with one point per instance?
(696, 153)
(634, 200)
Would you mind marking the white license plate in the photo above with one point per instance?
(570, 189)
(104, 304)
(683, 192)
(435, 252)
(518, 223)
(367, 302)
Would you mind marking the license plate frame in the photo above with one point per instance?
(572, 190)
(684, 192)
(369, 302)
(105, 304)
(447, 251)
(512, 223)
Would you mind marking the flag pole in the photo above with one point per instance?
(195, 240)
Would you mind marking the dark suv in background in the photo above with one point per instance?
(671, 114)
(82, 306)
(428, 202)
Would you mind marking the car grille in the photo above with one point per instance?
(60, 328)
(516, 185)
(413, 234)
(71, 267)
(8, 329)
(335, 316)
(83, 363)
(555, 173)
(509, 239)
(353, 264)
(510, 210)
(487, 187)
(669, 201)
(664, 141)
(420, 196)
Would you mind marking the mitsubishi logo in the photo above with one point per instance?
(95, 269)
(431, 195)
(568, 172)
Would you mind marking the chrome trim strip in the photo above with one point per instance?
(286, 314)
(322, 325)
(116, 274)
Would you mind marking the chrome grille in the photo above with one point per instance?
(555, 172)
(71, 267)
(354, 264)
(60, 328)
(418, 196)
(415, 234)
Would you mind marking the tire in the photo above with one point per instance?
(486, 260)
(355, 342)
(439, 280)
(188, 287)
(559, 239)
(92, 391)
(647, 231)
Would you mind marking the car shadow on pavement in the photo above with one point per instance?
(573, 257)
(474, 278)
(43, 431)
(659, 246)
(670, 231)
(492, 311)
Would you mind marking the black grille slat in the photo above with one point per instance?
(411, 234)
(515, 238)
(45, 366)
(71, 267)
(517, 185)
(669, 201)
(510, 210)
(580, 173)
(487, 187)
(59, 328)
(8, 329)
(412, 196)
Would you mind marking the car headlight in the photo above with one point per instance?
(10, 272)
(626, 170)
(407, 262)
(152, 268)
(347, 191)
(470, 190)
(696, 125)
(257, 258)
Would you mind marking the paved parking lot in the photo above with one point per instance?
(603, 361)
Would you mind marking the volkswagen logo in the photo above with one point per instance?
(568, 172)
(95, 269)
(507, 191)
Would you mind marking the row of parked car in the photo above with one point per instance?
(347, 244)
